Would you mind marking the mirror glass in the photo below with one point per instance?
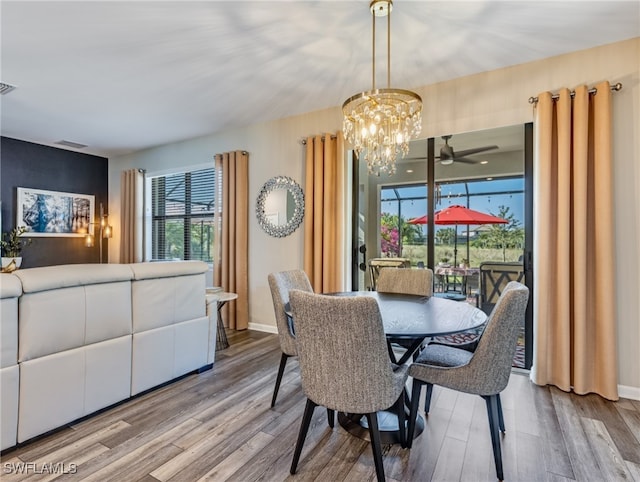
(280, 206)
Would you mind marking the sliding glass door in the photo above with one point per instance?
(457, 204)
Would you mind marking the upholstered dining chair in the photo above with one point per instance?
(404, 281)
(280, 284)
(344, 364)
(484, 372)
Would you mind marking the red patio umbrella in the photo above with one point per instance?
(459, 215)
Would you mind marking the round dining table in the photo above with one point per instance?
(408, 320)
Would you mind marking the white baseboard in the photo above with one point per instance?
(263, 327)
(632, 393)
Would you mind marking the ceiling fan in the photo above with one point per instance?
(448, 156)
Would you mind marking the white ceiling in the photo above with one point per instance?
(123, 76)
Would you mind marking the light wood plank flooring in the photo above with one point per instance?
(218, 426)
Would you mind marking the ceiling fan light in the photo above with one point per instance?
(446, 162)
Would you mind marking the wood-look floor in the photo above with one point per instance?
(218, 425)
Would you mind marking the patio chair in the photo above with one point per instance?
(376, 264)
(494, 276)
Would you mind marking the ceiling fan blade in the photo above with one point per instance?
(415, 158)
(475, 150)
(465, 160)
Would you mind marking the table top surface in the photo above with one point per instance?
(410, 316)
(220, 296)
(455, 270)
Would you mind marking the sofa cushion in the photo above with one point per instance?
(10, 289)
(57, 320)
(65, 276)
(8, 332)
(10, 286)
(9, 386)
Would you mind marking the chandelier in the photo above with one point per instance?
(379, 123)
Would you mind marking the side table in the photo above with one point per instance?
(220, 298)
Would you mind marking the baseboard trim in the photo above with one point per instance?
(632, 393)
(263, 327)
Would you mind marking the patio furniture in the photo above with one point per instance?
(376, 264)
(494, 277)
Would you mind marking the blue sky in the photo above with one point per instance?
(486, 200)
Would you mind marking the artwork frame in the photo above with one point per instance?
(55, 213)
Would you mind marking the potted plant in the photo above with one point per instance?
(12, 245)
(464, 262)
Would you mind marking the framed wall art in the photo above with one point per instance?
(53, 213)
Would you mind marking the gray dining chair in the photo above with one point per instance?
(344, 364)
(484, 372)
(405, 281)
(280, 284)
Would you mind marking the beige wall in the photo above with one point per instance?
(491, 99)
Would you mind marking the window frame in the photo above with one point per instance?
(149, 214)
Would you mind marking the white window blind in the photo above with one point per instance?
(183, 205)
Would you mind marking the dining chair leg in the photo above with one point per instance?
(413, 413)
(500, 415)
(374, 432)
(331, 417)
(427, 398)
(392, 355)
(304, 428)
(402, 421)
(283, 362)
(492, 412)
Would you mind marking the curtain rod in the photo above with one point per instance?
(614, 88)
(304, 141)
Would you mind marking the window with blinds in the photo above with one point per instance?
(182, 215)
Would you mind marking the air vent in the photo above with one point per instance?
(75, 145)
(6, 88)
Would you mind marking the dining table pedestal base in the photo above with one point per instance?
(387, 424)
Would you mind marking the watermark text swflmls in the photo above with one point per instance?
(39, 468)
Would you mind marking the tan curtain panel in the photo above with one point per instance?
(232, 235)
(574, 310)
(132, 216)
(323, 213)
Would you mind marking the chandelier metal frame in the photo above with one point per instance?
(379, 123)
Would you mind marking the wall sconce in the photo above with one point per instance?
(106, 231)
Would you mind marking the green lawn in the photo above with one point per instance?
(477, 255)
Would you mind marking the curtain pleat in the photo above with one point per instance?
(232, 270)
(574, 312)
(324, 218)
(132, 216)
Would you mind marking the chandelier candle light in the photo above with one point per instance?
(380, 122)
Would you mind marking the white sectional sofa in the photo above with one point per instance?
(79, 338)
(10, 290)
